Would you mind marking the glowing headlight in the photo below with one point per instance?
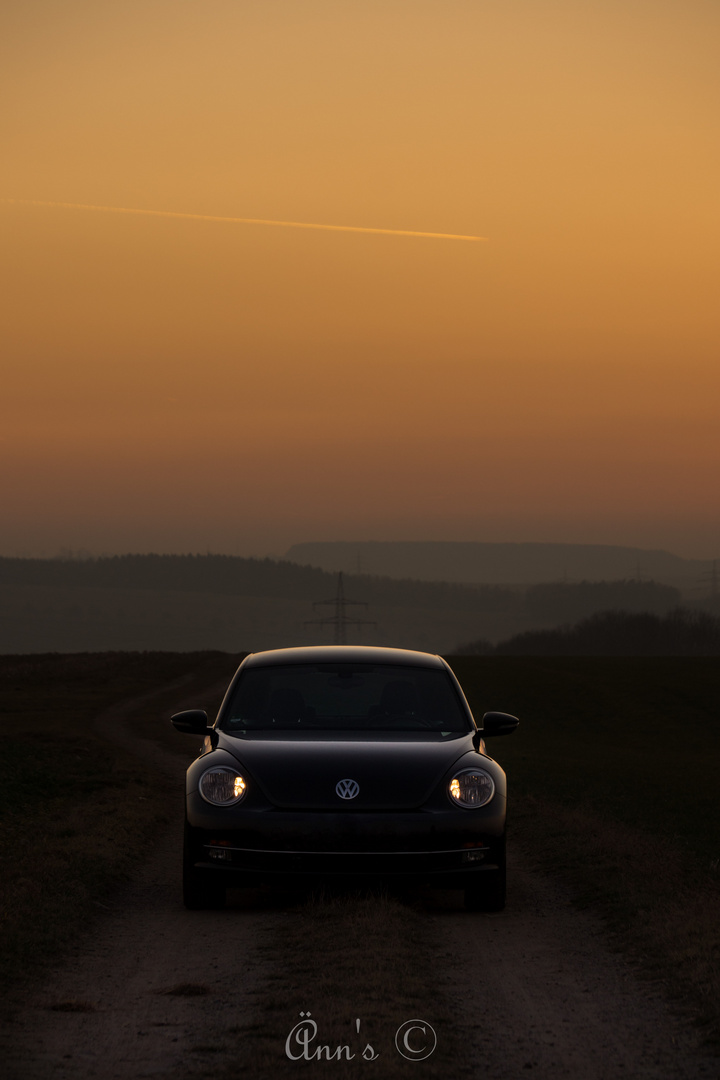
(472, 788)
(222, 786)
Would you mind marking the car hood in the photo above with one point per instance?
(302, 773)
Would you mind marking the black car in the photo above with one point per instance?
(344, 763)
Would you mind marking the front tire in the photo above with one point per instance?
(490, 891)
(201, 892)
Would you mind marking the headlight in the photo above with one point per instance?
(222, 787)
(472, 788)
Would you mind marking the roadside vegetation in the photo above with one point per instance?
(76, 814)
(349, 958)
(613, 786)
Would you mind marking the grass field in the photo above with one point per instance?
(635, 738)
(613, 780)
(612, 785)
(75, 813)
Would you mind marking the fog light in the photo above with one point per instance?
(474, 855)
(220, 854)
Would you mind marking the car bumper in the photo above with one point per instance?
(446, 870)
(442, 848)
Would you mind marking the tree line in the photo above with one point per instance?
(233, 575)
(614, 633)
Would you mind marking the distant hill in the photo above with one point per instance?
(614, 633)
(190, 602)
(185, 573)
(193, 602)
(231, 575)
(499, 564)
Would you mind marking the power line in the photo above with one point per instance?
(339, 620)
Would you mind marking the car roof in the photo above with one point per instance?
(344, 654)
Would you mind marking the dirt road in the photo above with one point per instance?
(542, 995)
(155, 991)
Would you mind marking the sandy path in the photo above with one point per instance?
(543, 996)
(144, 947)
(537, 991)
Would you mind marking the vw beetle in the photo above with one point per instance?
(344, 763)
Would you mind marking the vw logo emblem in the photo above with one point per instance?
(347, 789)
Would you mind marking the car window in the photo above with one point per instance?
(345, 697)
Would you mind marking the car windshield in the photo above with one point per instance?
(345, 697)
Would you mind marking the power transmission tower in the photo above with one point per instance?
(340, 620)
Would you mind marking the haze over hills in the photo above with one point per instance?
(186, 602)
(189, 602)
(499, 563)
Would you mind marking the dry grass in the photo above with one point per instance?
(77, 814)
(590, 798)
(613, 784)
(344, 959)
(186, 990)
(72, 1006)
(660, 908)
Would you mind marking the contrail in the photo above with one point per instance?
(244, 221)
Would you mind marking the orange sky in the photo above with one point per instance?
(183, 385)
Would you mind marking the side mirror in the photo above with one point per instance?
(498, 723)
(191, 722)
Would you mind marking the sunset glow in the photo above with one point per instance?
(170, 385)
